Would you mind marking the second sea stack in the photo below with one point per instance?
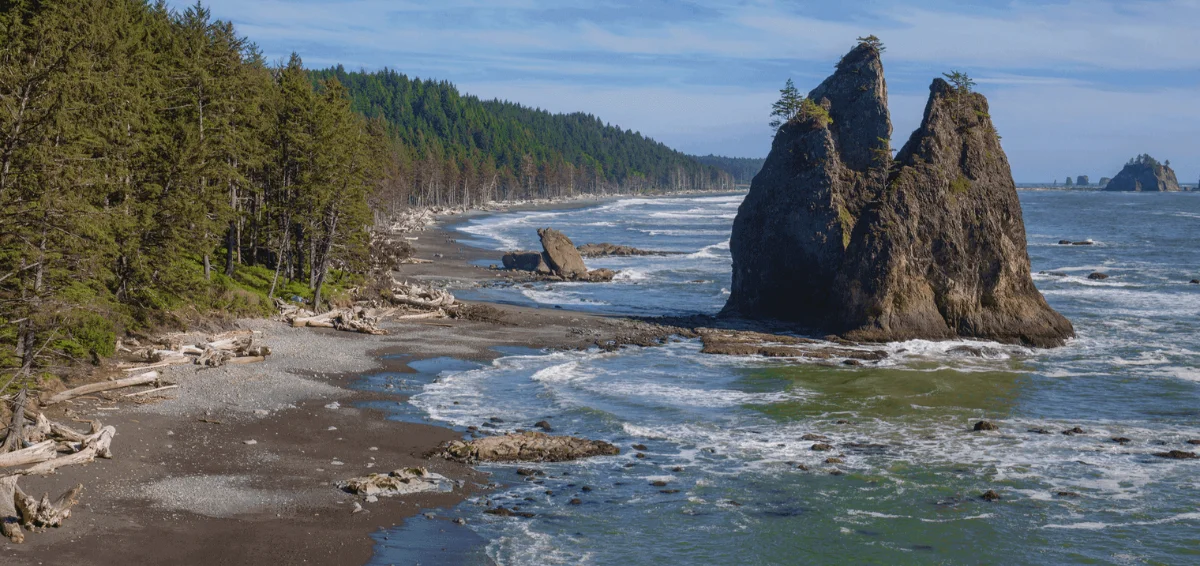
(835, 236)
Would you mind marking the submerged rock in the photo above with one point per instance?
(1177, 455)
(990, 495)
(526, 447)
(1097, 276)
(836, 236)
(1144, 173)
(986, 425)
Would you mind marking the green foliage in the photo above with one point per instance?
(815, 113)
(743, 169)
(1144, 160)
(788, 107)
(847, 221)
(447, 148)
(960, 185)
(145, 143)
(960, 81)
(872, 42)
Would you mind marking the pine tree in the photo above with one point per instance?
(787, 107)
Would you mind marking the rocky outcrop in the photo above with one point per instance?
(526, 447)
(1103, 182)
(607, 250)
(526, 261)
(1082, 181)
(560, 253)
(559, 260)
(836, 237)
(1144, 173)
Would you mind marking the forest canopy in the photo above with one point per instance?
(452, 149)
(155, 168)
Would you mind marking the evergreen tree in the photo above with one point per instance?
(787, 107)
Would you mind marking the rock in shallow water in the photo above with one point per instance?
(1177, 455)
(526, 447)
(986, 425)
(835, 235)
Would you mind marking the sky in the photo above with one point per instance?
(1076, 87)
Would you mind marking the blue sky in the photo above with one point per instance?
(1076, 87)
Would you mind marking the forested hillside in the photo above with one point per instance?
(743, 169)
(455, 149)
(151, 166)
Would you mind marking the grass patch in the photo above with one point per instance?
(847, 221)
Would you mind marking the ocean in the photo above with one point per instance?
(727, 475)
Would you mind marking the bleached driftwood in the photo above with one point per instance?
(10, 522)
(35, 454)
(411, 294)
(40, 515)
(17, 509)
(98, 445)
(142, 379)
(148, 391)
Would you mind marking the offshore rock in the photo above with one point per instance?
(526, 447)
(834, 237)
(609, 250)
(1144, 173)
(561, 255)
(525, 261)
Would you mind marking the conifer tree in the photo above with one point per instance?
(787, 107)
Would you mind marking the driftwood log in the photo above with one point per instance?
(217, 351)
(19, 511)
(142, 379)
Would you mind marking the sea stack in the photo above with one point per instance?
(1144, 173)
(835, 236)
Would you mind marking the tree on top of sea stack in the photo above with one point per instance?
(833, 237)
(1145, 173)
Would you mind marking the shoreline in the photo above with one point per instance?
(185, 485)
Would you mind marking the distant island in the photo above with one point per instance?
(1145, 174)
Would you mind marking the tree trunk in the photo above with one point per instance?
(207, 268)
(230, 247)
(324, 261)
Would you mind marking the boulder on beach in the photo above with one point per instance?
(1144, 173)
(526, 447)
(837, 237)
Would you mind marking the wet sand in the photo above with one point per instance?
(186, 486)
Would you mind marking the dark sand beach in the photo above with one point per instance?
(187, 486)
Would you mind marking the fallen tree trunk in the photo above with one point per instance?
(35, 454)
(142, 379)
(10, 522)
(98, 445)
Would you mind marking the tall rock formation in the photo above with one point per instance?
(1082, 180)
(790, 233)
(1144, 173)
(836, 237)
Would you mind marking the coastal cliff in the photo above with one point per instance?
(1144, 173)
(837, 237)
